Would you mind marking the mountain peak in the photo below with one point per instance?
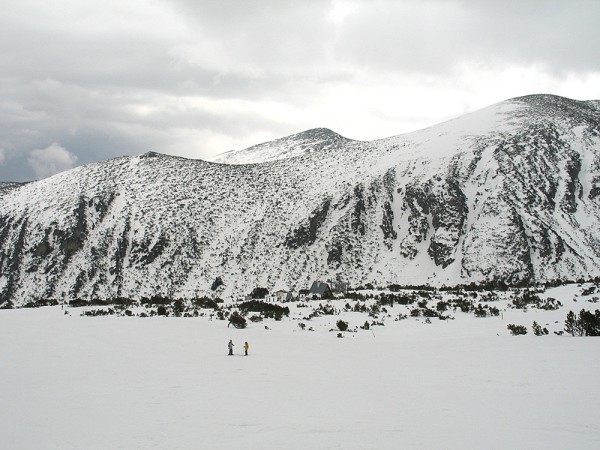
(318, 133)
(315, 139)
(151, 154)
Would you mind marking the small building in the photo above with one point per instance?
(303, 294)
(280, 295)
(321, 290)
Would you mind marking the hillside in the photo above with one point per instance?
(508, 193)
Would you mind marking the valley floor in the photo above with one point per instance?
(73, 382)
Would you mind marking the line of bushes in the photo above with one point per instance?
(268, 310)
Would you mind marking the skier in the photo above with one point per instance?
(230, 346)
(246, 347)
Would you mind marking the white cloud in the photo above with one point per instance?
(51, 160)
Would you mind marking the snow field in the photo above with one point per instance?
(72, 382)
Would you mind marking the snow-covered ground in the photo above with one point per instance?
(73, 382)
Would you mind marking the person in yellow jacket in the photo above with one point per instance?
(246, 347)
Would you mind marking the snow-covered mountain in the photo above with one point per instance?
(511, 192)
(308, 141)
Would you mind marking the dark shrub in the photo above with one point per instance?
(464, 304)
(155, 300)
(538, 330)
(355, 296)
(269, 310)
(429, 313)
(237, 320)
(259, 293)
(7, 305)
(517, 329)
(342, 326)
(528, 298)
(550, 304)
(98, 312)
(216, 284)
(122, 301)
(441, 306)
(589, 291)
(78, 302)
(494, 311)
(178, 307)
(205, 303)
(480, 311)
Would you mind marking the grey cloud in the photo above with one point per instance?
(104, 81)
(435, 36)
(100, 124)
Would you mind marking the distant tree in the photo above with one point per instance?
(416, 312)
(479, 311)
(259, 293)
(237, 320)
(178, 307)
(342, 326)
(441, 306)
(7, 305)
(205, 302)
(585, 323)
(538, 330)
(269, 310)
(216, 284)
(517, 329)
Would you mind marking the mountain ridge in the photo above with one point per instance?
(290, 146)
(510, 193)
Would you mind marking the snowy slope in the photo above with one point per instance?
(7, 186)
(507, 193)
(306, 142)
(73, 382)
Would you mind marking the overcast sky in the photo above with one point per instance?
(83, 81)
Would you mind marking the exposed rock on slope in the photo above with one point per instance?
(511, 192)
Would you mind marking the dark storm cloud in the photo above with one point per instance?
(83, 81)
